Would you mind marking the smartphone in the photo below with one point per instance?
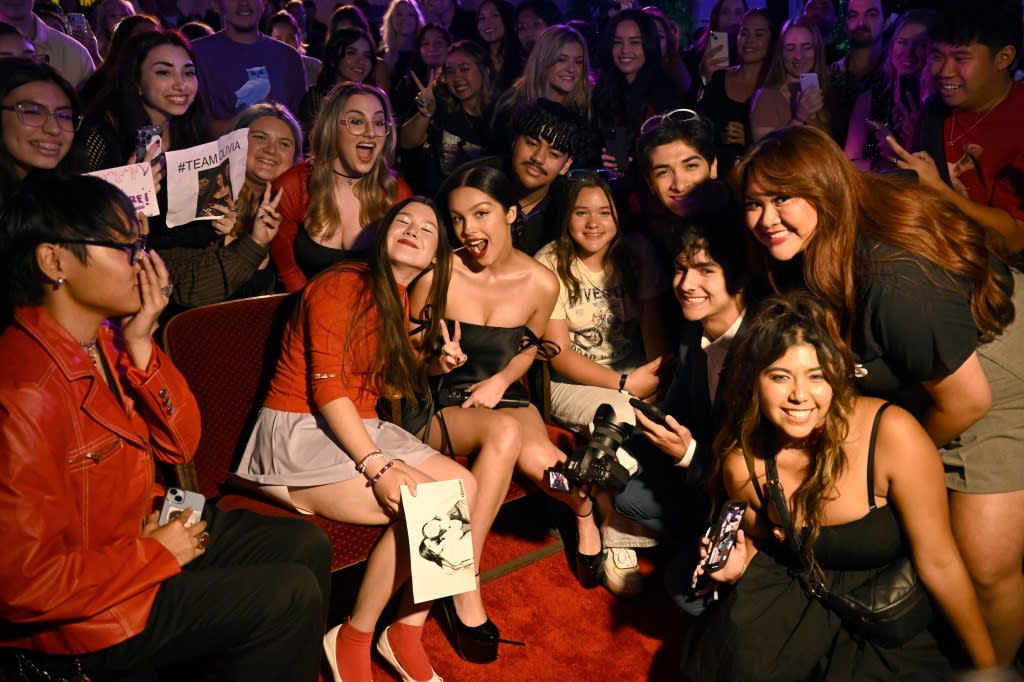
(652, 412)
(723, 534)
(716, 38)
(616, 143)
(807, 80)
(144, 138)
(880, 128)
(77, 23)
(176, 501)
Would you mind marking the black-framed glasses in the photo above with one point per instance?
(680, 115)
(132, 249)
(606, 174)
(359, 126)
(35, 115)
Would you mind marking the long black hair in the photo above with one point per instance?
(617, 102)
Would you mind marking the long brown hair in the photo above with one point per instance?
(396, 371)
(376, 190)
(804, 162)
(566, 251)
(782, 322)
(776, 76)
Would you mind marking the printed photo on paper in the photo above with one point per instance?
(205, 180)
(440, 541)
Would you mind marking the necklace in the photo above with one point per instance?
(953, 140)
(351, 178)
(91, 349)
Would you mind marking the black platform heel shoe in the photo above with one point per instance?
(477, 644)
(589, 567)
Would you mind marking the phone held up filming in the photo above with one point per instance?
(807, 80)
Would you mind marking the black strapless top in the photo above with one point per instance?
(313, 258)
(489, 350)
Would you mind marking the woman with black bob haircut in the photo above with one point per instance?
(633, 85)
(798, 441)
(28, 92)
(95, 587)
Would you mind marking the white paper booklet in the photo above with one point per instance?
(440, 542)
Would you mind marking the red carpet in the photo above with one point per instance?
(570, 633)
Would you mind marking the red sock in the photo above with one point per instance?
(407, 644)
(354, 654)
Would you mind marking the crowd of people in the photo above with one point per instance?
(784, 255)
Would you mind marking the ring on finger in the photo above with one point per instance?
(202, 540)
(166, 291)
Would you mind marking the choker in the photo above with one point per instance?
(351, 178)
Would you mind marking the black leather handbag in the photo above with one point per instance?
(890, 608)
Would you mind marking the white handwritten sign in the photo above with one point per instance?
(205, 180)
(136, 181)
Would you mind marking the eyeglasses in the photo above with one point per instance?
(606, 174)
(132, 249)
(36, 115)
(680, 115)
(360, 126)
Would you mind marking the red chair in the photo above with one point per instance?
(227, 352)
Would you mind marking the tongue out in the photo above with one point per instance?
(477, 248)
(364, 153)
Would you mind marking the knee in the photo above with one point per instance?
(507, 436)
(293, 594)
(991, 572)
(309, 546)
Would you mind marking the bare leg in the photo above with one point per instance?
(497, 439)
(538, 454)
(989, 530)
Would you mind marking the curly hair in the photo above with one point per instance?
(781, 323)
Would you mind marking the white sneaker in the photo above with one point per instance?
(622, 572)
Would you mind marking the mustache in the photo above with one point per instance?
(539, 167)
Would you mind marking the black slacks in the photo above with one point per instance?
(256, 599)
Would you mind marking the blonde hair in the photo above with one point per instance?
(389, 37)
(375, 191)
(532, 85)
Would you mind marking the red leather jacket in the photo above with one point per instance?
(76, 482)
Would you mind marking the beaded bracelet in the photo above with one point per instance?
(383, 470)
(361, 464)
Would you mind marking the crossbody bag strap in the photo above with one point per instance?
(753, 479)
(812, 580)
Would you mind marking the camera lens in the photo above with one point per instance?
(179, 498)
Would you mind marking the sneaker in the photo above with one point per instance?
(622, 572)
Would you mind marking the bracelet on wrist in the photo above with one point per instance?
(622, 384)
(361, 464)
(383, 470)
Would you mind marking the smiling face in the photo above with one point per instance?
(240, 16)
(357, 62)
(285, 33)
(676, 169)
(628, 50)
(797, 52)
(481, 224)
(794, 394)
(536, 163)
(754, 39)
(433, 48)
(700, 286)
(36, 148)
(412, 241)
(358, 152)
(592, 222)
(784, 225)
(489, 23)
(566, 72)
(465, 81)
(271, 149)
(909, 51)
(529, 26)
(168, 82)
(970, 77)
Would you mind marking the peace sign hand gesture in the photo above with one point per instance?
(451, 351)
(425, 101)
(267, 220)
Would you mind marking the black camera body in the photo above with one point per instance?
(594, 463)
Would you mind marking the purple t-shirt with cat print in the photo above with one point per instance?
(233, 76)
